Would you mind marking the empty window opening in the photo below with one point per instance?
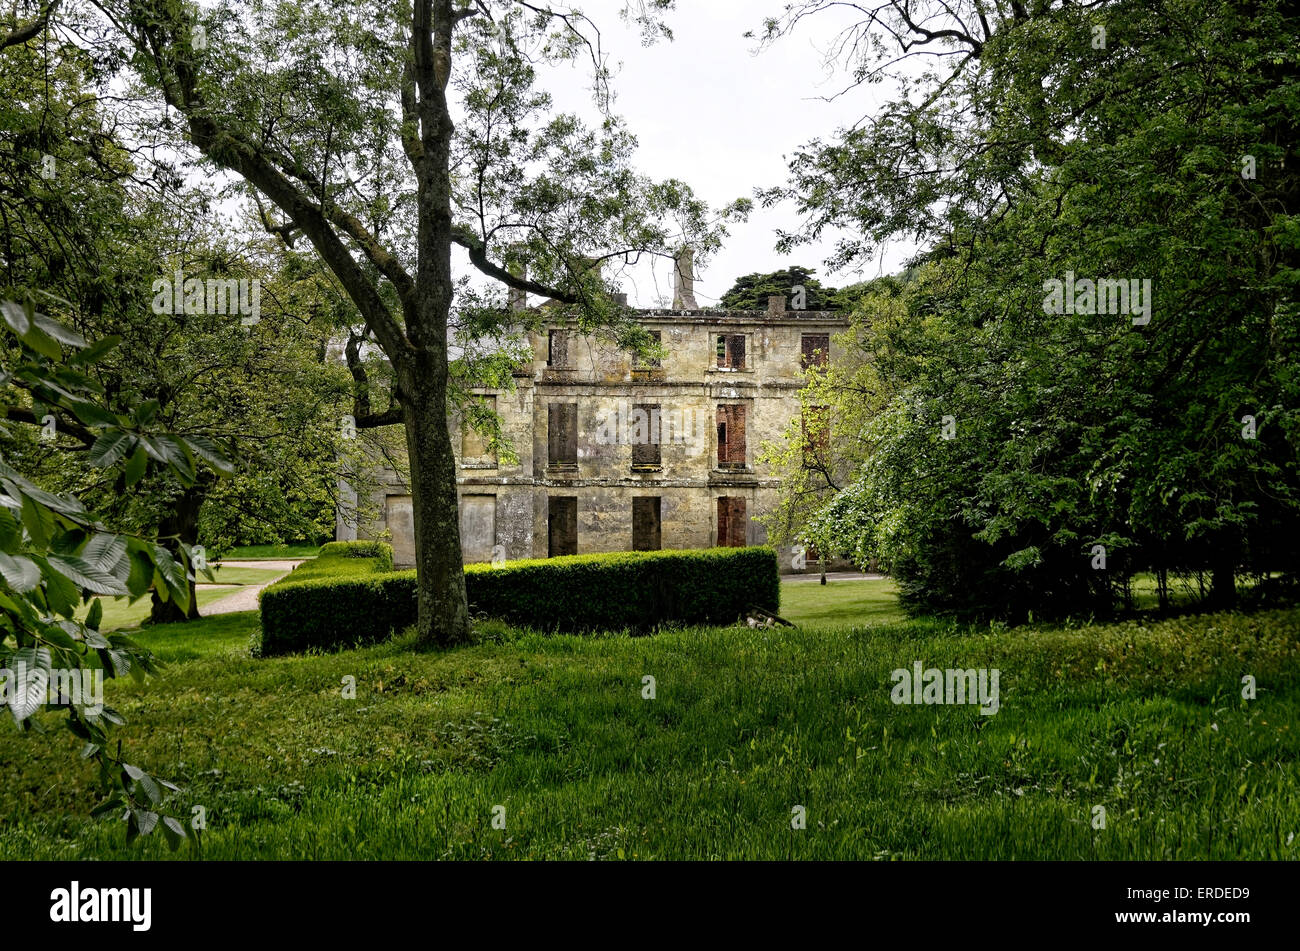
(646, 526)
(815, 350)
(731, 351)
(643, 432)
(648, 362)
(731, 522)
(562, 434)
(562, 525)
(475, 446)
(731, 437)
(557, 349)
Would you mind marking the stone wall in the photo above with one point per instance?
(505, 503)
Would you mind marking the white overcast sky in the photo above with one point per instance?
(709, 111)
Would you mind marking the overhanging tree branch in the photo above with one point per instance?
(21, 33)
(64, 423)
(471, 242)
(163, 38)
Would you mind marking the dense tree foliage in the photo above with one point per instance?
(796, 284)
(90, 228)
(386, 135)
(1035, 439)
(56, 555)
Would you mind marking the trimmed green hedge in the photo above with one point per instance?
(636, 591)
(381, 550)
(336, 612)
(343, 560)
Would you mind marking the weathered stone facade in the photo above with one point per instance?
(614, 456)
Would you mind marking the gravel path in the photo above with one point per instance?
(282, 566)
(816, 578)
(245, 599)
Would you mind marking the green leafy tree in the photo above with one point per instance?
(390, 135)
(92, 228)
(752, 291)
(1029, 457)
(56, 556)
(820, 452)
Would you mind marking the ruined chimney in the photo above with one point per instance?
(776, 304)
(518, 299)
(587, 268)
(684, 280)
(620, 299)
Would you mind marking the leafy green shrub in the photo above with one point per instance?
(313, 617)
(336, 612)
(344, 560)
(1276, 592)
(637, 590)
(381, 550)
(626, 590)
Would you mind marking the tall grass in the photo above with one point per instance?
(1145, 719)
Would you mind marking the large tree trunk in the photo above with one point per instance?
(422, 368)
(416, 347)
(440, 574)
(182, 522)
(1223, 571)
(1223, 585)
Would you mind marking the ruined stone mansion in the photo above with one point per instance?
(618, 455)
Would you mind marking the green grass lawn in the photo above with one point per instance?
(1144, 718)
(808, 603)
(240, 575)
(272, 552)
(119, 614)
